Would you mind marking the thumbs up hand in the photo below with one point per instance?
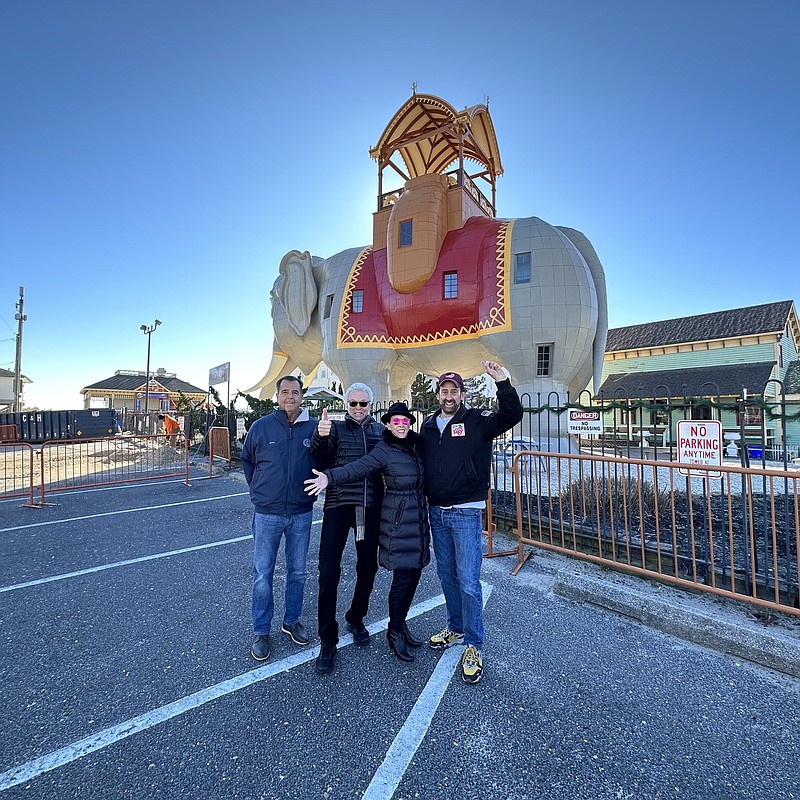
(324, 426)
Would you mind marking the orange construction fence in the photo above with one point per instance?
(60, 465)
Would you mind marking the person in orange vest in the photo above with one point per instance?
(171, 427)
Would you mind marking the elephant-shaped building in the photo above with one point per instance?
(445, 283)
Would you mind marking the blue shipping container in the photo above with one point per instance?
(45, 426)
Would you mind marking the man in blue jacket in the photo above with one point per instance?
(276, 459)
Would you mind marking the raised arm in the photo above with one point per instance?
(509, 406)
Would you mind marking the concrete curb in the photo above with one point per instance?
(767, 647)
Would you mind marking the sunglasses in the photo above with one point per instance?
(354, 403)
(400, 421)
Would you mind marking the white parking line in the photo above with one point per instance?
(121, 511)
(90, 570)
(97, 741)
(389, 774)
(111, 488)
(127, 562)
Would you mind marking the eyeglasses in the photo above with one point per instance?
(354, 403)
(400, 421)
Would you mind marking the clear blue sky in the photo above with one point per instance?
(160, 156)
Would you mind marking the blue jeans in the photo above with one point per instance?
(457, 541)
(267, 532)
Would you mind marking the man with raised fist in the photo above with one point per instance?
(458, 458)
(355, 506)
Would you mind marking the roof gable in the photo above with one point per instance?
(429, 134)
(727, 380)
(737, 322)
(7, 373)
(132, 383)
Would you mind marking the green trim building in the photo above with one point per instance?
(715, 356)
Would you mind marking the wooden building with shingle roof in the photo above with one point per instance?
(717, 354)
(128, 389)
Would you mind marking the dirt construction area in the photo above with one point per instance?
(92, 462)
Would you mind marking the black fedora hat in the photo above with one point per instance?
(397, 410)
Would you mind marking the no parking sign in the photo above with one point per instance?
(700, 442)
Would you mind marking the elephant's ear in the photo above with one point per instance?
(297, 291)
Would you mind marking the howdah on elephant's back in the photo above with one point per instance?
(474, 261)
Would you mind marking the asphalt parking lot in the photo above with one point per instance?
(125, 673)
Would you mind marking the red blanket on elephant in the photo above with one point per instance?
(478, 254)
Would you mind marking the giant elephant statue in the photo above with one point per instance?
(527, 294)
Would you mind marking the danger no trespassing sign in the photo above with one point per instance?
(583, 422)
(700, 442)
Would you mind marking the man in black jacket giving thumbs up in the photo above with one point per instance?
(349, 505)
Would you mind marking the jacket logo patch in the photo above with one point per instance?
(457, 429)
(487, 413)
(306, 442)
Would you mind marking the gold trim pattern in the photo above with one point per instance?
(499, 316)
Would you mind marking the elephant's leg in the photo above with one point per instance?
(400, 383)
(372, 366)
(381, 387)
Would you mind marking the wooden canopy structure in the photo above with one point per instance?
(430, 136)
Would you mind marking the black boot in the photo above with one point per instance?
(409, 637)
(326, 658)
(397, 644)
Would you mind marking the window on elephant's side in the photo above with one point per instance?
(358, 301)
(328, 307)
(522, 268)
(450, 285)
(543, 360)
(405, 233)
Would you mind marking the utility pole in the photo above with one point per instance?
(20, 317)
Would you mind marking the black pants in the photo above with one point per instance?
(404, 584)
(336, 525)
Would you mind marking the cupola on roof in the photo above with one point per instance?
(430, 135)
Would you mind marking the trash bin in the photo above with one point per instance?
(9, 433)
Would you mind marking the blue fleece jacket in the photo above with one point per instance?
(276, 459)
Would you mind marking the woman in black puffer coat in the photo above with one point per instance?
(404, 537)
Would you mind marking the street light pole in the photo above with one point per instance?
(147, 330)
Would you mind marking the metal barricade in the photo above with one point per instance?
(80, 464)
(16, 470)
(721, 529)
(219, 444)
